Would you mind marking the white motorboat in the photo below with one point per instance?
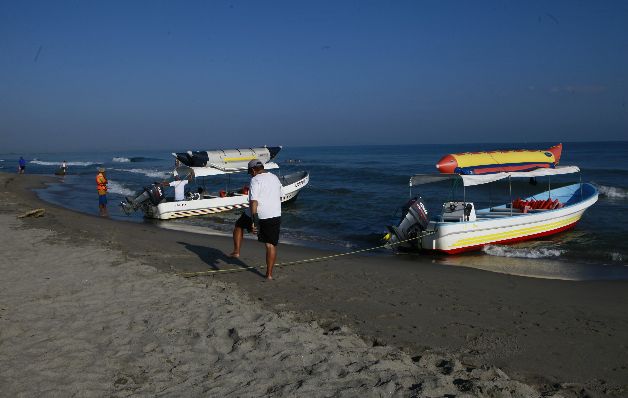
(154, 204)
(461, 227)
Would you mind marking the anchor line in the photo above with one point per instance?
(309, 260)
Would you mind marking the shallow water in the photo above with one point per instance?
(356, 191)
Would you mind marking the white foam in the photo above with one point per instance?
(116, 187)
(148, 172)
(528, 252)
(121, 160)
(613, 192)
(617, 257)
(44, 163)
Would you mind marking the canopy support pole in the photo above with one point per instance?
(510, 192)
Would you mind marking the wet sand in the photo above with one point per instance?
(372, 324)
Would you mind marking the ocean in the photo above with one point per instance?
(355, 191)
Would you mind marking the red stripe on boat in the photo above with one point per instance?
(511, 240)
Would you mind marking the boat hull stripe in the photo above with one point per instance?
(501, 236)
(511, 240)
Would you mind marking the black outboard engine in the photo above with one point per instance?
(153, 193)
(414, 221)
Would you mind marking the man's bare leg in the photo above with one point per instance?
(271, 256)
(238, 235)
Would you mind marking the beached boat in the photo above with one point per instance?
(461, 227)
(198, 165)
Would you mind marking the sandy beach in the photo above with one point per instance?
(94, 307)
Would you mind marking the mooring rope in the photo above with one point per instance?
(309, 260)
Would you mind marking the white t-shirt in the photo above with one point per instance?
(179, 189)
(266, 189)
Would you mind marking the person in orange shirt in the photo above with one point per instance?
(101, 186)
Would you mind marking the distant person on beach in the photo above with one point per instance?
(64, 167)
(101, 186)
(21, 165)
(263, 216)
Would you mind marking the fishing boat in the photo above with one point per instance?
(195, 166)
(460, 227)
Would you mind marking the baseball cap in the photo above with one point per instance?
(101, 169)
(255, 163)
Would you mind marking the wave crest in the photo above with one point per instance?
(121, 160)
(613, 192)
(58, 164)
(528, 252)
(617, 257)
(116, 187)
(148, 172)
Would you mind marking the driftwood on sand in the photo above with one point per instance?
(33, 213)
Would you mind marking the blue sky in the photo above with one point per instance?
(85, 75)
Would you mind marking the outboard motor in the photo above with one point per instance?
(414, 220)
(153, 193)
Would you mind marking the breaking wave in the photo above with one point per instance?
(132, 159)
(528, 252)
(148, 172)
(613, 192)
(116, 187)
(58, 164)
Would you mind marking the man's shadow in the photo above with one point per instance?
(216, 259)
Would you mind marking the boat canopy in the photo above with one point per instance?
(214, 170)
(470, 180)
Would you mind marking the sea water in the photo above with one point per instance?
(355, 191)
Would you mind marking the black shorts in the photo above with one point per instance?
(268, 228)
(245, 222)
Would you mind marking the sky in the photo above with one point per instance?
(180, 75)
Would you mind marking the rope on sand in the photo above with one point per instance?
(309, 260)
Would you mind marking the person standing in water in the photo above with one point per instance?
(263, 216)
(21, 165)
(101, 186)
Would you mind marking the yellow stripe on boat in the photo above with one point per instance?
(478, 240)
(239, 159)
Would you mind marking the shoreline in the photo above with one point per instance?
(559, 336)
(530, 259)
